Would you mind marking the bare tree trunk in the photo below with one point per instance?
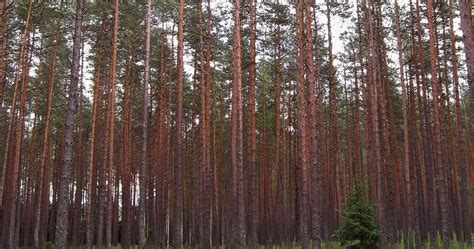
(375, 119)
(467, 27)
(239, 231)
(144, 156)
(111, 129)
(252, 166)
(302, 129)
(22, 60)
(406, 144)
(77, 207)
(63, 198)
(461, 144)
(3, 54)
(45, 149)
(333, 139)
(443, 199)
(15, 183)
(3, 82)
(92, 142)
(178, 188)
(312, 128)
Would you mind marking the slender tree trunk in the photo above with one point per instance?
(375, 120)
(239, 231)
(429, 194)
(178, 188)
(312, 128)
(406, 144)
(302, 129)
(252, 166)
(443, 199)
(126, 150)
(111, 128)
(467, 27)
(333, 145)
(3, 54)
(461, 145)
(22, 61)
(79, 164)
(204, 210)
(45, 149)
(142, 208)
(63, 198)
(92, 142)
(358, 163)
(3, 82)
(15, 173)
(208, 170)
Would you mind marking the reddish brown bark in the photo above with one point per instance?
(111, 128)
(92, 142)
(333, 165)
(374, 93)
(15, 171)
(22, 60)
(461, 145)
(252, 161)
(443, 199)
(239, 230)
(312, 127)
(46, 133)
(467, 27)
(406, 144)
(302, 130)
(178, 188)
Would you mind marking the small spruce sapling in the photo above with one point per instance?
(358, 229)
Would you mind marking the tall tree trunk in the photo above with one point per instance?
(252, 160)
(302, 130)
(144, 163)
(15, 171)
(111, 128)
(208, 170)
(92, 142)
(467, 27)
(333, 139)
(312, 127)
(406, 144)
(358, 159)
(63, 198)
(79, 164)
(126, 150)
(461, 143)
(45, 149)
(22, 60)
(178, 188)
(443, 198)
(3, 82)
(239, 231)
(375, 119)
(429, 194)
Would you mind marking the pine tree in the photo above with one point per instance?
(63, 197)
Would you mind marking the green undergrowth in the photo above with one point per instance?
(433, 243)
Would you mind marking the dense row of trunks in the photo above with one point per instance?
(220, 165)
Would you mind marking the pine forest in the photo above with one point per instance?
(237, 124)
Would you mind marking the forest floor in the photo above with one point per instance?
(325, 245)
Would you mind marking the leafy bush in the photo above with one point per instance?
(358, 229)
